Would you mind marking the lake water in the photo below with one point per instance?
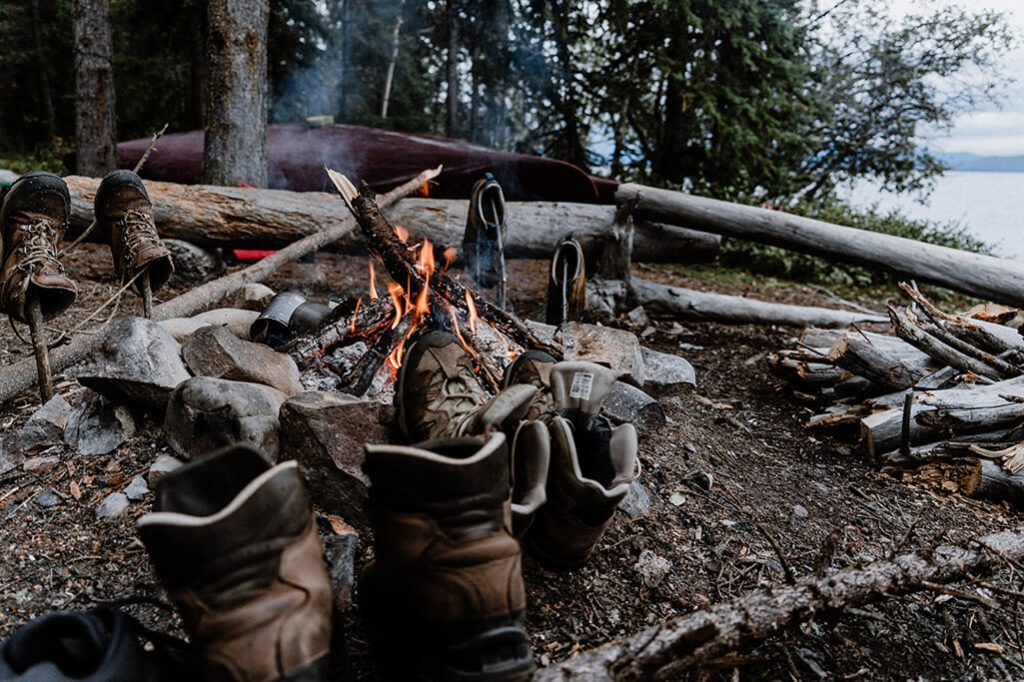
(991, 205)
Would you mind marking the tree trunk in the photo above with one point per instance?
(452, 69)
(95, 118)
(396, 35)
(45, 91)
(988, 277)
(235, 120)
(686, 304)
(197, 62)
(266, 218)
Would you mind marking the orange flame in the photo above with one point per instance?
(458, 332)
(473, 317)
(449, 258)
(425, 188)
(403, 234)
(373, 283)
(396, 293)
(352, 327)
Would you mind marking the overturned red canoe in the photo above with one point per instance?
(381, 158)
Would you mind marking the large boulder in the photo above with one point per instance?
(614, 348)
(216, 352)
(205, 413)
(136, 363)
(325, 432)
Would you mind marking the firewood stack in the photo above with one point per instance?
(938, 400)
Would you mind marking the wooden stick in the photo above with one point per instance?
(147, 296)
(665, 651)
(19, 377)
(42, 353)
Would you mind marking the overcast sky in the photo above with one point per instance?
(993, 131)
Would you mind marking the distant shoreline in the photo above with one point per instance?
(975, 163)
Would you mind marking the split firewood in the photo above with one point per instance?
(860, 356)
(665, 651)
(393, 253)
(908, 327)
(20, 376)
(245, 217)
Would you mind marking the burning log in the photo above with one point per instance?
(365, 320)
(665, 651)
(244, 217)
(421, 278)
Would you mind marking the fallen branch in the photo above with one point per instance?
(19, 377)
(666, 650)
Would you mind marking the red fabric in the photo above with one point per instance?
(248, 255)
(381, 158)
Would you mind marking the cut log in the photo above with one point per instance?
(20, 376)
(988, 277)
(862, 357)
(939, 414)
(909, 328)
(243, 217)
(667, 650)
(687, 304)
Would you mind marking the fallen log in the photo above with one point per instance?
(988, 277)
(665, 651)
(20, 376)
(864, 358)
(938, 414)
(907, 327)
(244, 217)
(688, 304)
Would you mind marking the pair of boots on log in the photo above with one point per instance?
(33, 219)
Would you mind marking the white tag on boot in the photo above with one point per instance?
(582, 383)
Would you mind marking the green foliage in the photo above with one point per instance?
(778, 262)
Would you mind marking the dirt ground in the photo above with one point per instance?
(771, 477)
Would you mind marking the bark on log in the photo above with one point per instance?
(95, 116)
(665, 651)
(20, 376)
(907, 326)
(262, 218)
(864, 358)
(936, 414)
(688, 304)
(988, 277)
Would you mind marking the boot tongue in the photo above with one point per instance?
(74, 642)
(580, 387)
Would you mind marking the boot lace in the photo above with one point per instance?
(39, 247)
(138, 234)
(455, 399)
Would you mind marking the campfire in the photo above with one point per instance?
(362, 343)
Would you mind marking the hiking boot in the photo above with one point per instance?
(567, 283)
(591, 463)
(124, 215)
(486, 232)
(439, 395)
(446, 580)
(97, 646)
(234, 542)
(34, 217)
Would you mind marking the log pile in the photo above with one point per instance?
(939, 399)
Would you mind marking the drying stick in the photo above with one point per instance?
(35, 326)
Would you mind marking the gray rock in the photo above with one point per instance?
(325, 433)
(606, 298)
(97, 426)
(137, 490)
(112, 506)
(11, 455)
(340, 554)
(639, 316)
(161, 466)
(205, 413)
(652, 568)
(237, 321)
(637, 502)
(627, 404)
(614, 348)
(47, 499)
(193, 264)
(136, 363)
(216, 352)
(37, 465)
(46, 426)
(800, 511)
(666, 373)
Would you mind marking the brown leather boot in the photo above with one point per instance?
(124, 215)
(446, 579)
(439, 396)
(234, 542)
(34, 217)
(592, 464)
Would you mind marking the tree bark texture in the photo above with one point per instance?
(243, 217)
(235, 118)
(95, 119)
(665, 651)
(687, 304)
(988, 277)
